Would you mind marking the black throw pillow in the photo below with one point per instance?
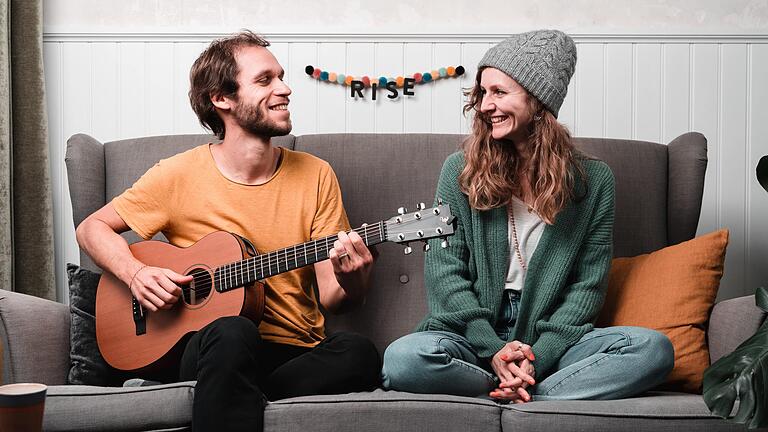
(87, 365)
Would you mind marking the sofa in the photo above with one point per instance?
(658, 200)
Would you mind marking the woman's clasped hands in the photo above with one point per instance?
(513, 365)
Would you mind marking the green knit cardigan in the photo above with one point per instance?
(567, 274)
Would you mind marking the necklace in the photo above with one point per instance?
(518, 252)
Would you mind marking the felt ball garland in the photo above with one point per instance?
(420, 78)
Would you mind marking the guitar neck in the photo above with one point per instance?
(248, 271)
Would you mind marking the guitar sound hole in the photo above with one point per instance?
(199, 289)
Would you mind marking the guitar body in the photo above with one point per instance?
(116, 330)
(132, 339)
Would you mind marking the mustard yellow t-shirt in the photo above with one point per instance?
(186, 197)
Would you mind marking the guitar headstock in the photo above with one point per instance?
(421, 225)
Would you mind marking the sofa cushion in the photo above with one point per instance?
(653, 412)
(671, 290)
(90, 408)
(87, 365)
(382, 411)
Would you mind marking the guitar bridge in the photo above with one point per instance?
(139, 317)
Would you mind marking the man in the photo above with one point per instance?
(275, 198)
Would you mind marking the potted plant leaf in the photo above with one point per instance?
(743, 374)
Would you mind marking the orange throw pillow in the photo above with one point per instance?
(671, 290)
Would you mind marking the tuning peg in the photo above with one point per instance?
(402, 210)
(407, 250)
(421, 206)
(439, 201)
(444, 243)
(426, 247)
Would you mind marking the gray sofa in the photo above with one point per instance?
(659, 189)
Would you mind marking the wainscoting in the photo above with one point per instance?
(653, 88)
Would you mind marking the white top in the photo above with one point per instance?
(529, 227)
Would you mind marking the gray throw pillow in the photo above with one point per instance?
(87, 365)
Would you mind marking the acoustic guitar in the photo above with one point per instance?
(226, 271)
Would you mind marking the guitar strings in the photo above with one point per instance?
(204, 282)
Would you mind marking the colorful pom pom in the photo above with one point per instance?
(382, 81)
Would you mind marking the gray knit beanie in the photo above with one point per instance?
(541, 61)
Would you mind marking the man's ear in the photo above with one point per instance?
(222, 102)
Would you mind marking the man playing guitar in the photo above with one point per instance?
(271, 196)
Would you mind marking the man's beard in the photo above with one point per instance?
(255, 121)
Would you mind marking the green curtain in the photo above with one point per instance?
(26, 217)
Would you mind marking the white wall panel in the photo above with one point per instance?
(647, 97)
(62, 224)
(618, 90)
(705, 105)
(628, 87)
(733, 157)
(446, 93)
(184, 119)
(388, 63)
(132, 91)
(332, 101)
(360, 110)
(76, 116)
(104, 83)
(158, 73)
(418, 108)
(590, 97)
(757, 145)
(676, 91)
(304, 99)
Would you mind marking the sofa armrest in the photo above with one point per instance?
(731, 323)
(35, 339)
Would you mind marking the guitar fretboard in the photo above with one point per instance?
(241, 273)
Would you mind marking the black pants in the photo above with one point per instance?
(236, 372)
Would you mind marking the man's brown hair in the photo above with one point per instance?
(214, 73)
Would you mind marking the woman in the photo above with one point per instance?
(512, 300)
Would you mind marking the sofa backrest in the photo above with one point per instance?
(658, 198)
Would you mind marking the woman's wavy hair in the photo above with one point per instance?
(214, 73)
(491, 174)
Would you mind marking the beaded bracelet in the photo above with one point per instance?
(136, 274)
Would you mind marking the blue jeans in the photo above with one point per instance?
(606, 363)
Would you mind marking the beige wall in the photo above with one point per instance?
(405, 17)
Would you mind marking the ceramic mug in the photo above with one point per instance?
(21, 407)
